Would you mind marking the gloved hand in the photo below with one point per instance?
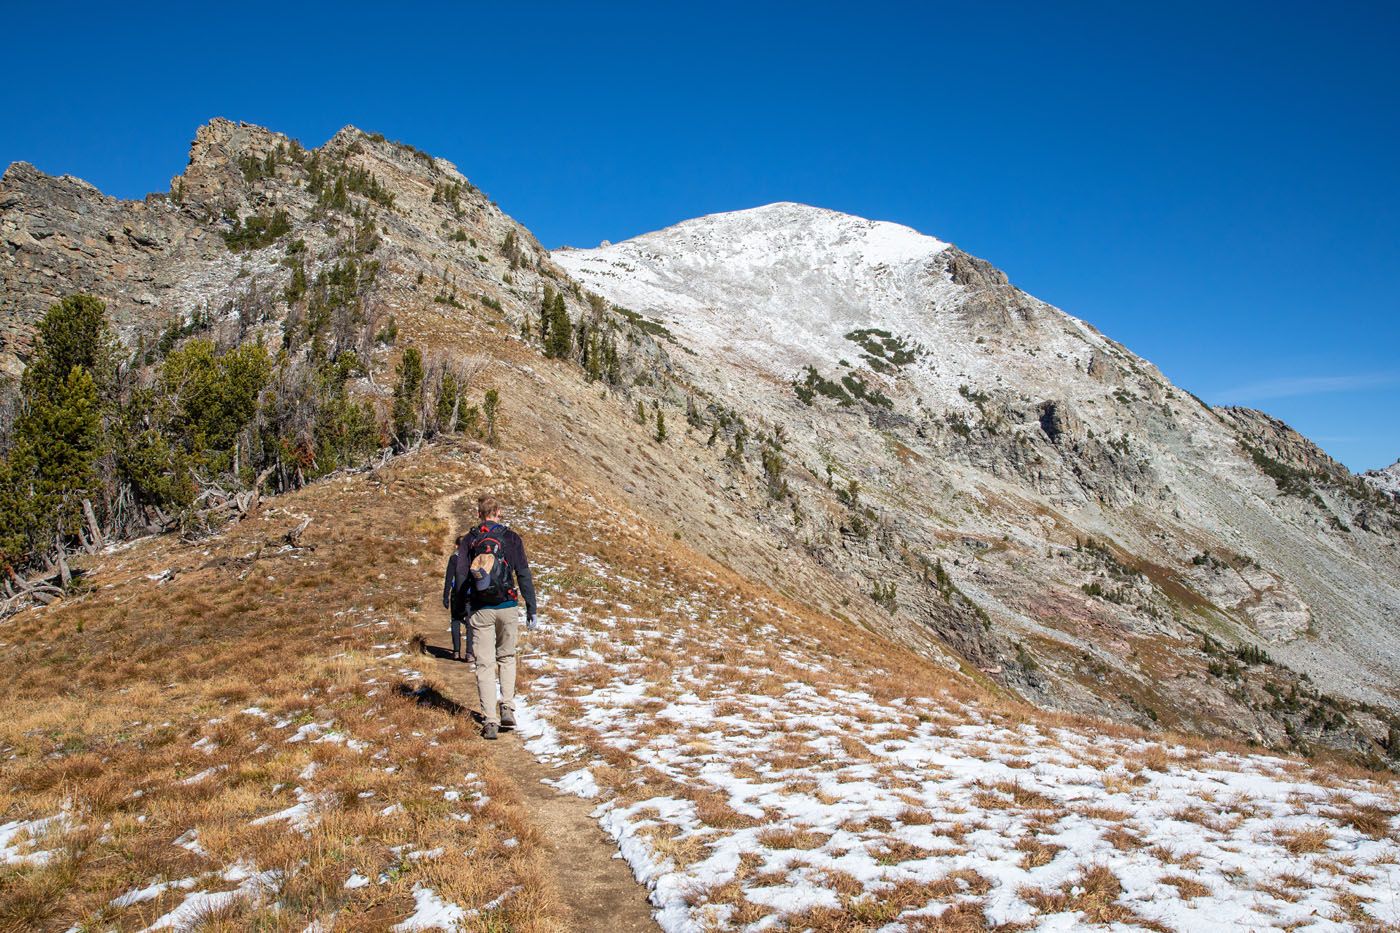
(531, 623)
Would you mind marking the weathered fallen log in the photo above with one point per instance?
(293, 537)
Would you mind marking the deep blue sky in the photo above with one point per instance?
(1218, 188)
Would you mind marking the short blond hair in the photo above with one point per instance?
(487, 506)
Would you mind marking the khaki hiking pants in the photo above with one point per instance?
(494, 634)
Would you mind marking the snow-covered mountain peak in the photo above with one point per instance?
(777, 286)
(762, 234)
(783, 287)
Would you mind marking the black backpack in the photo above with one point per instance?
(482, 569)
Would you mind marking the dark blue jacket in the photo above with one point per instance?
(449, 583)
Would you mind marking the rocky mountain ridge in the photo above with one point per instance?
(1386, 480)
(1089, 494)
(845, 409)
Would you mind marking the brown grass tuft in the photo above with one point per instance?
(791, 838)
(1305, 839)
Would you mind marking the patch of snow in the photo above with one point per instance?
(151, 892)
(580, 783)
(431, 912)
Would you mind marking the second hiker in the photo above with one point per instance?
(454, 600)
(493, 575)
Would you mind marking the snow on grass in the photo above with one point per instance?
(749, 799)
(252, 885)
(20, 839)
(431, 912)
(152, 891)
(301, 815)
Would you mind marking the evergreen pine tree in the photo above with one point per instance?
(407, 393)
(208, 400)
(449, 402)
(58, 436)
(546, 317)
(559, 342)
(510, 248)
(660, 426)
(612, 366)
(592, 356)
(74, 332)
(53, 465)
(491, 411)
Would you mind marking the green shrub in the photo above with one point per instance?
(813, 384)
(883, 351)
(644, 324)
(257, 231)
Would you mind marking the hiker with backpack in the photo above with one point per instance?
(491, 575)
(456, 607)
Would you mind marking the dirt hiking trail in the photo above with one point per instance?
(596, 885)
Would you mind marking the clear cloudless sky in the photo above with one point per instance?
(1216, 185)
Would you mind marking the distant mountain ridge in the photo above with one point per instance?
(845, 409)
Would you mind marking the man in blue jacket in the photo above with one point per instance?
(492, 576)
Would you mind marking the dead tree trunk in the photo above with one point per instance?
(94, 529)
(64, 575)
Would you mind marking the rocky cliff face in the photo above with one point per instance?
(62, 234)
(1387, 480)
(862, 415)
(165, 260)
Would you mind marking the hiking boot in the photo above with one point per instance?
(489, 730)
(507, 717)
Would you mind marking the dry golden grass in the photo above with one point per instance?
(713, 809)
(842, 882)
(1305, 840)
(786, 837)
(1369, 820)
(1095, 894)
(915, 816)
(1186, 887)
(1035, 853)
(1109, 814)
(1117, 784)
(669, 842)
(1123, 839)
(863, 910)
(1006, 795)
(893, 851)
(107, 725)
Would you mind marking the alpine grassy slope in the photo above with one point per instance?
(818, 504)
